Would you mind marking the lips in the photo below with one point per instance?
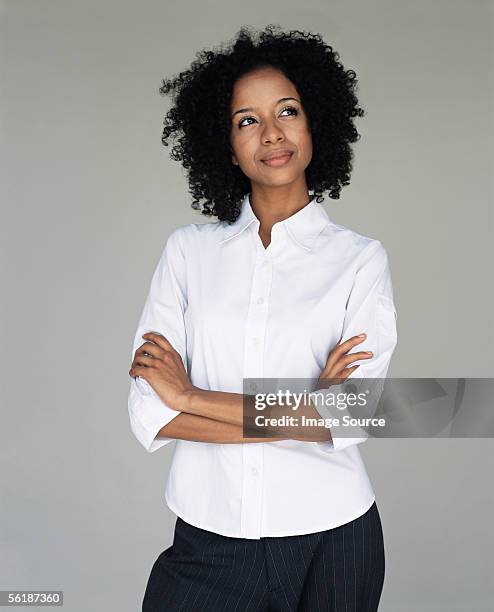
(277, 153)
(278, 158)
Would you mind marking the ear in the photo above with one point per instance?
(234, 160)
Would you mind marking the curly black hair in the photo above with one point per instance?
(328, 97)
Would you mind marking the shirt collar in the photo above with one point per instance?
(303, 226)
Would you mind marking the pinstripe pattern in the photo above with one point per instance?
(338, 570)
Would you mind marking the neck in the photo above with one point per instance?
(273, 204)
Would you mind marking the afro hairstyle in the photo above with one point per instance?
(327, 93)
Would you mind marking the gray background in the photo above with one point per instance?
(90, 196)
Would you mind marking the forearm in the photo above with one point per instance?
(201, 429)
(228, 409)
(219, 406)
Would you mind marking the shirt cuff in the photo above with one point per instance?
(338, 442)
(146, 420)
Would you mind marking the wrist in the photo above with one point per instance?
(188, 398)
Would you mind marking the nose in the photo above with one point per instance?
(272, 133)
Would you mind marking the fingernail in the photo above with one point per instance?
(361, 336)
(369, 352)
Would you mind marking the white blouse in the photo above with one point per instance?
(233, 310)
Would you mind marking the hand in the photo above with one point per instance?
(336, 366)
(161, 366)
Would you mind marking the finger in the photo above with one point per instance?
(351, 357)
(345, 373)
(344, 347)
(144, 360)
(151, 349)
(141, 371)
(337, 379)
(158, 339)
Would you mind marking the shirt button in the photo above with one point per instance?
(255, 471)
(253, 386)
(255, 341)
(260, 300)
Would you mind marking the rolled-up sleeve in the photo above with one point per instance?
(163, 312)
(370, 309)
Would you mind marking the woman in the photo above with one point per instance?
(272, 289)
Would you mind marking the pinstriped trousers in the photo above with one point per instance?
(338, 570)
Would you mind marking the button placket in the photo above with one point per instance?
(251, 515)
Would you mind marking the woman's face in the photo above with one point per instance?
(266, 117)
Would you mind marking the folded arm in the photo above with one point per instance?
(370, 309)
(157, 418)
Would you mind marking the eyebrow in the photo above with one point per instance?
(244, 110)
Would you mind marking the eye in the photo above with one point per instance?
(290, 108)
(242, 120)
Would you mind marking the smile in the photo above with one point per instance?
(278, 161)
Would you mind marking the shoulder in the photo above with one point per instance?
(196, 236)
(352, 243)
